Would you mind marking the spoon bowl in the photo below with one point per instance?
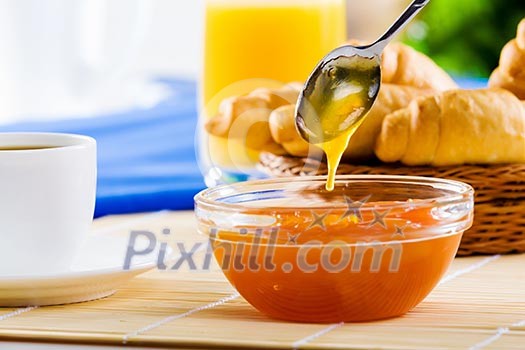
(341, 91)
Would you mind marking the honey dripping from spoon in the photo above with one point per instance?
(344, 91)
(341, 91)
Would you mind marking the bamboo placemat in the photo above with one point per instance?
(480, 304)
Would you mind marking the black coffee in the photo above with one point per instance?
(25, 148)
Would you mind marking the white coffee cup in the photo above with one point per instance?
(47, 200)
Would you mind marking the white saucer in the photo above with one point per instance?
(96, 273)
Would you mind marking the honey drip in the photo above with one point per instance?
(334, 105)
(334, 150)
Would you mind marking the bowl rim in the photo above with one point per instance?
(463, 192)
(341, 244)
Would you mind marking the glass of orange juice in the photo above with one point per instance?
(250, 44)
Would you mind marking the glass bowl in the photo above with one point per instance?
(371, 249)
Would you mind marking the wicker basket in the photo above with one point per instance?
(499, 215)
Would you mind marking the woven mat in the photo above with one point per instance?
(480, 304)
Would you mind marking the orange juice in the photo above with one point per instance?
(261, 43)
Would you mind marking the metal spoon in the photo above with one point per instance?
(344, 85)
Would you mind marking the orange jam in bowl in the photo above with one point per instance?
(371, 249)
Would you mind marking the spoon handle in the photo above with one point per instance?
(399, 24)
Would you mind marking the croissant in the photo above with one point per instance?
(510, 74)
(284, 132)
(456, 127)
(246, 117)
(402, 65)
(264, 118)
(390, 98)
(361, 146)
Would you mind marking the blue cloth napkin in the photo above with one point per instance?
(146, 158)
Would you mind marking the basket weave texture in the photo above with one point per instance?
(499, 214)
